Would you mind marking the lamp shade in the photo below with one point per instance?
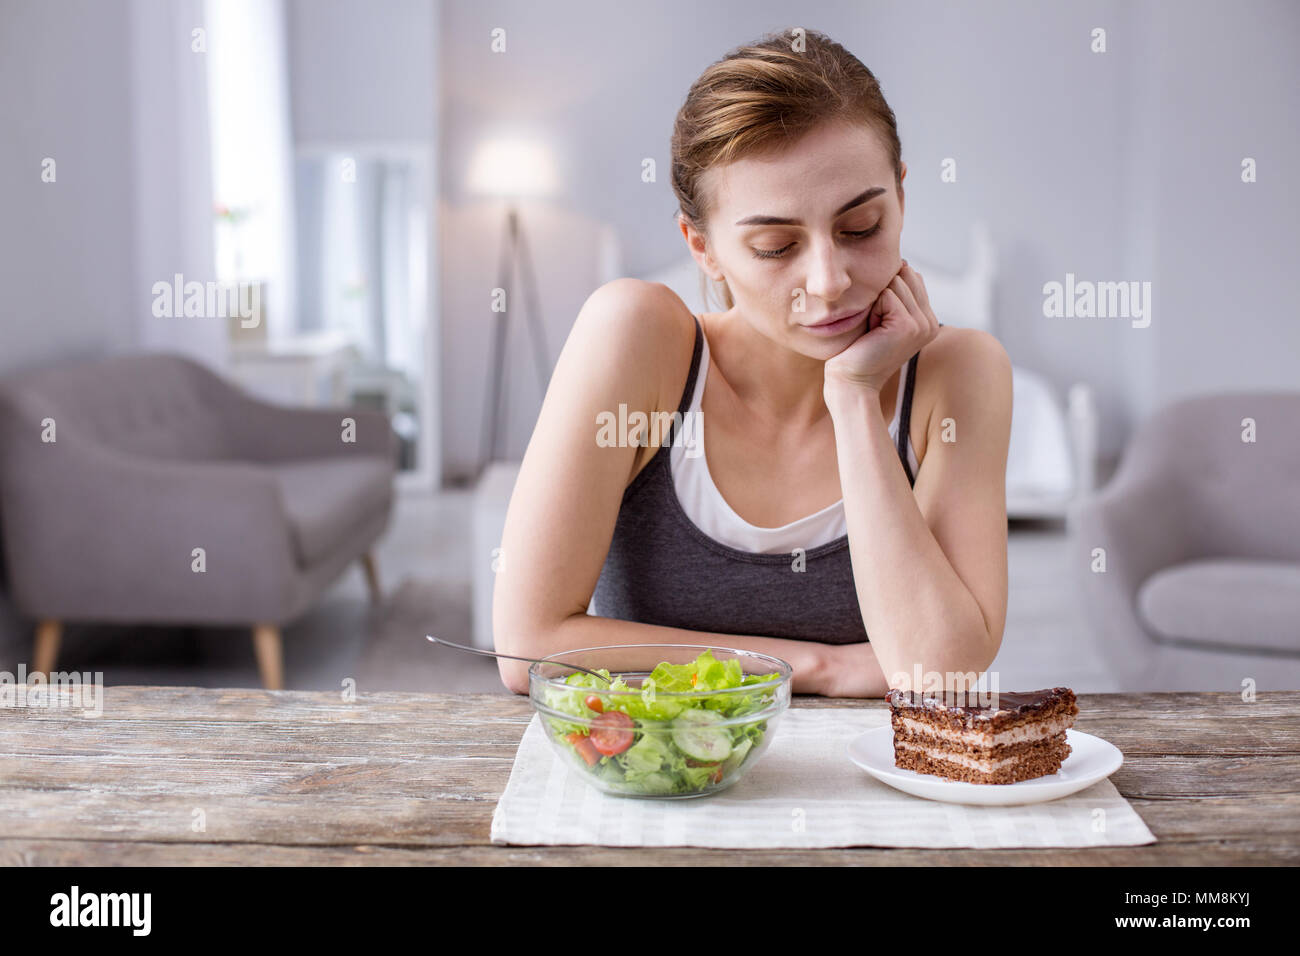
(512, 167)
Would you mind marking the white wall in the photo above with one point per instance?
(111, 92)
(1114, 166)
(1221, 82)
(67, 260)
(363, 70)
(1123, 165)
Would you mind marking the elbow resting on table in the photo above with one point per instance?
(964, 668)
(514, 674)
(527, 636)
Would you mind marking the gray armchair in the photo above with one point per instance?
(1201, 532)
(155, 456)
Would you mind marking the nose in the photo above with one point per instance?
(828, 275)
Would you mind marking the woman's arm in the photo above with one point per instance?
(853, 670)
(567, 497)
(930, 562)
(917, 611)
(585, 630)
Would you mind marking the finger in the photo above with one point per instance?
(878, 310)
(916, 282)
(923, 299)
(916, 285)
(892, 305)
(900, 288)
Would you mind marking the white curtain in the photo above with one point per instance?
(252, 155)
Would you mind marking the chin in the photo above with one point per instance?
(799, 342)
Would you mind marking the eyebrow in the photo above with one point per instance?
(857, 200)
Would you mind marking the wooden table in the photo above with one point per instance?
(181, 775)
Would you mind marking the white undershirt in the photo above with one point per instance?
(709, 511)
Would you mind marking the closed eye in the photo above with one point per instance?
(779, 253)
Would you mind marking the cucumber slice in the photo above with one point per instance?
(697, 734)
(737, 756)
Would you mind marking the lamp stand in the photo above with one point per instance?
(514, 250)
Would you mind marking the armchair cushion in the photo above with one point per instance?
(1232, 604)
(326, 498)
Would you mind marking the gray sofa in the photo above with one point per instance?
(1201, 531)
(155, 456)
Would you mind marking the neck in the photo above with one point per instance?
(779, 385)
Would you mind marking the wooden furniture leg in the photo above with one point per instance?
(46, 651)
(270, 655)
(372, 577)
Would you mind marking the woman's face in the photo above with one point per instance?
(806, 234)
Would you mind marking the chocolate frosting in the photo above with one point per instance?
(1013, 702)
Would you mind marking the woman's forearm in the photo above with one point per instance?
(854, 671)
(918, 613)
(809, 659)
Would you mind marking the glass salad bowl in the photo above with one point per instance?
(674, 720)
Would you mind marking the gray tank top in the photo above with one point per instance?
(662, 569)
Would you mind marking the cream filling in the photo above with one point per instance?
(1015, 735)
(984, 766)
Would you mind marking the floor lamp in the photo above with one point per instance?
(512, 168)
(514, 251)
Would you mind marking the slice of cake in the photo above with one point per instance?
(959, 736)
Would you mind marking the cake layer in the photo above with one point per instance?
(1002, 751)
(1039, 762)
(1026, 731)
(981, 759)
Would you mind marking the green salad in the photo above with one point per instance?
(647, 744)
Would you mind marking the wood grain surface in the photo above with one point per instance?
(203, 777)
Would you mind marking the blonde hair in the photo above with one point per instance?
(761, 98)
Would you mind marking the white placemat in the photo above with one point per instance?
(804, 792)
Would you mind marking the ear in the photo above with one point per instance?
(902, 175)
(699, 248)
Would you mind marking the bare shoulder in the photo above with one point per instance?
(635, 314)
(645, 329)
(964, 352)
(960, 369)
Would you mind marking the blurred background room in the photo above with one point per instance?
(182, 501)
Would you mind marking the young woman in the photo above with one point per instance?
(842, 420)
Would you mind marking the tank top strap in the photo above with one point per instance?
(688, 392)
(904, 435)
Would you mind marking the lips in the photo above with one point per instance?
(840, 317)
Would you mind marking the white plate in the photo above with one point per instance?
(1091, 759)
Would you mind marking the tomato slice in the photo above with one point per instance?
(611, 732)
(692, 762)
(586, 750)
(716, 776)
